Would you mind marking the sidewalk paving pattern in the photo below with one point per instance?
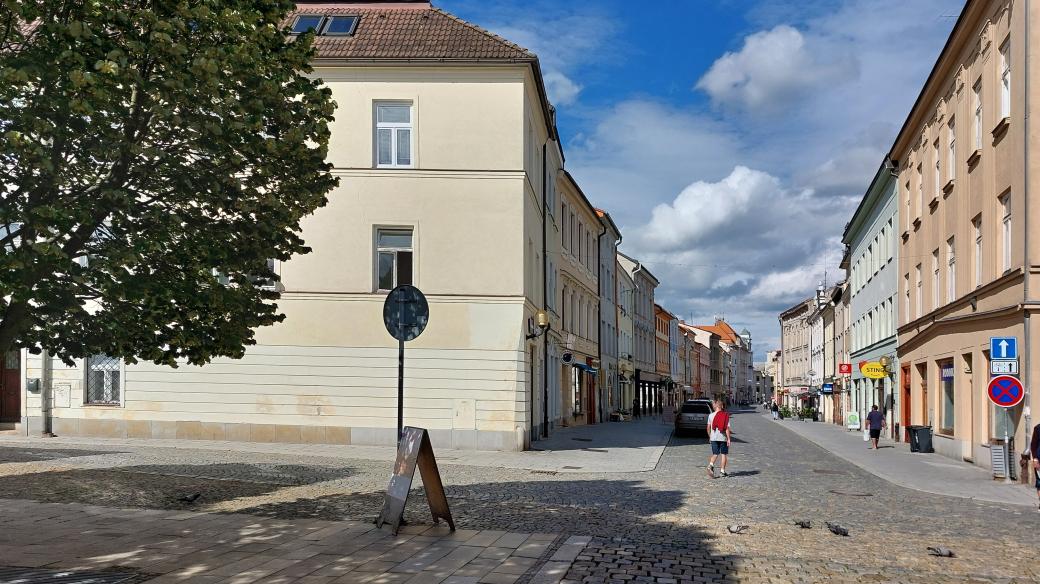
(173, 546)
(926, 472)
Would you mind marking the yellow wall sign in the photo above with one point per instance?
(873, 370)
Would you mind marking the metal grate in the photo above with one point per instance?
(103, 380)
(37, 576)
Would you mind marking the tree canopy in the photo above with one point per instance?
(154, 157)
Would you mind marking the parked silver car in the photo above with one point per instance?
(693, 416)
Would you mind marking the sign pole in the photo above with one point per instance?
(400, 391)
(1007, 448)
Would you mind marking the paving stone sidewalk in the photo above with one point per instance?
(170, 546)
(614, 447)
(926, 472)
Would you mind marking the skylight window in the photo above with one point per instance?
(340, 25)
(306, 23)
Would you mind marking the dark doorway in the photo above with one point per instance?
(11, 387)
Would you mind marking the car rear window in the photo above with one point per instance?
(696, 409)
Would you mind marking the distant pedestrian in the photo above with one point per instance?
(635, 407)
(776, 411)
(720, 437)
(1034, 449)
(875, 423)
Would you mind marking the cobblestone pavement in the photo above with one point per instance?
(665, 525)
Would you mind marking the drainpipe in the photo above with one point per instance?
(545, 305)
(599, 308)
(1027, 300)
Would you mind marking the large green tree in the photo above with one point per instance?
(154, 155)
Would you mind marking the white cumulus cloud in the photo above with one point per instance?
(773, 69)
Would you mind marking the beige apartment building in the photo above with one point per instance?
(969, 251)
(795, 357)
(444, 143)
(647, 381)
(580, 301)
(626, 288)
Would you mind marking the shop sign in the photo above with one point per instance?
(827, 388)
(947, 372)
(845, 368)
(852, 420)
(873, 370)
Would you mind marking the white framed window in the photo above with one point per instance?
(919, 294)
(103, 380)
(566, 228)
(951, 270)
(1005, 78)
(976, 224)
(393, 134)
(1005, 203)
(938, 168)
(951, 150)
(394, 255)
(976, 92)
(935, 279)
(920, 189)
(906, 299)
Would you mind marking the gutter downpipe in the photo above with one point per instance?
(545, 304)
(1027, 300)
(599, 310)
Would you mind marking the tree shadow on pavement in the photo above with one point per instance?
(163, 486)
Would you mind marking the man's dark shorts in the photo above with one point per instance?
(875, 433)
(718, 448)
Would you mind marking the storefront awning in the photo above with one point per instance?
(585, 368)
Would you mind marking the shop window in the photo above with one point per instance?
(946, 378)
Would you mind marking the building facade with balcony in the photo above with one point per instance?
(647, 381)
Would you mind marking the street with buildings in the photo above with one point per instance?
(558, 354)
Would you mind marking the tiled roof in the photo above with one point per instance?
(415, 31)
(722, 329)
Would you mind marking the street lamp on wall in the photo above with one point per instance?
(541, 319)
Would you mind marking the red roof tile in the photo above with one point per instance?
(408, 31)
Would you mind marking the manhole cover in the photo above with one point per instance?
(847, 494)
(36, 576)
(571, 467)
(595, 450)
(582, 439)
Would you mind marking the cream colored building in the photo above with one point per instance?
(444, 143)
(795, 357)
(579, 286)
(968, 261)
(626, 348)
(647, 381)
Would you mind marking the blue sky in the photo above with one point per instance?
(730, 139)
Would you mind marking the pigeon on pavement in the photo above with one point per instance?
(837, 529)
(804, 524)
(940, 552)
(190, 498)
(738, 529)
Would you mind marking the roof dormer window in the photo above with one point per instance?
(325, 25)
(306, 23)
(340, 25)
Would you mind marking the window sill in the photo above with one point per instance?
(1001, 129)
(948, 188)
(974, 158)
(103, 405)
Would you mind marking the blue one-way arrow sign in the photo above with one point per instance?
(1003, 348)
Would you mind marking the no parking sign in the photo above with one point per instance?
(1006, 391)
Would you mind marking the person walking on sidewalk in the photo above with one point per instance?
(1034, 449)
(776, 411)
(876, 423)
(635, 407)
(720, 436)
